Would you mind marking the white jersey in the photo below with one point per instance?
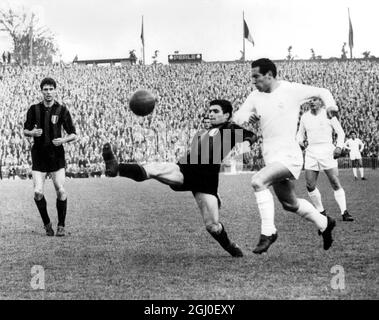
(319, 131)
(279, 113)
(356, 147)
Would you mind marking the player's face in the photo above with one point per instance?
(261, 82)
(315, 104)
(48, 92)
(353, 136)
(207, 124)
(216, 115)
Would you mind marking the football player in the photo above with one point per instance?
(321, 154)
(44, 122)
(355, 147)
(198, 170)
(276, 106)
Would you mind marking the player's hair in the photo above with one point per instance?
(265, 65)
(205, 118)
(48, 81)
(225, 105)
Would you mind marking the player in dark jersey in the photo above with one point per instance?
(44, 122)
(198, 170)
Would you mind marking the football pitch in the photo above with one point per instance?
(129, 240)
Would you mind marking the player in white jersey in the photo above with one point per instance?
(355, 147)
(276, 105)
(321, 154)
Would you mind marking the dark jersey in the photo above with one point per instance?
(50, 120)
(208, 149)
(46, 157)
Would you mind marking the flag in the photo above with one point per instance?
(246, 32)
(142, 36)
(351, 40)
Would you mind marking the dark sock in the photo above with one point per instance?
(61, 208)
(42, 208)
(221, 237)
(133, 171)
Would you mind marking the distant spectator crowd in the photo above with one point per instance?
(97, 98)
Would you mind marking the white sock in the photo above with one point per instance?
(355, 172)
(310, 213)
(265, 202)
(361, 172)
(315, 197)
(340, 197)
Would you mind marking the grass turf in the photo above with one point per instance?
(129, 240)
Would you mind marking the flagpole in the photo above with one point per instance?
(350, 44)
(243, 35)
(143, 43)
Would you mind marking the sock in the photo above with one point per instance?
(133, 171)
(42, 208)
(266, 208)
(355, 172)
(361, 172)
(310, 213)
(315, 197)
(221, 237)
(339, 195)
(62, 209)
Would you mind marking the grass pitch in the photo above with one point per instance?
(131, 240)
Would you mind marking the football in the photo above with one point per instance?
(142, 102)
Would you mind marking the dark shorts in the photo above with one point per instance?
(49, 159)
(198, 179)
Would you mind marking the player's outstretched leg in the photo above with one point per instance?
(222, 238)
(208, 205)
(113, 168)
(111, 164)
(327, 233)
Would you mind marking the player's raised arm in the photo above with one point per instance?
(339, 131)
(305, 92)
(300, 136)
(245, 113)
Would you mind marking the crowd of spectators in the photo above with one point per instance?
(97, 97)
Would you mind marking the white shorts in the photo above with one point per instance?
(291, 159)
(355, 156)
(319, 163)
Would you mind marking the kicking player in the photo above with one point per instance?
(276, 105)
(321, 154)
(44, 122)
(197, 171)
(355, 146)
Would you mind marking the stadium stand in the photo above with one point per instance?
(97, 98)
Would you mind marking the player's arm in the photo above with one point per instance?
(300, 136)
(69, 128)
(248, 137)
(30, 128)
(306, 92)
(246, 113)
(347, 146)
(340, 137)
